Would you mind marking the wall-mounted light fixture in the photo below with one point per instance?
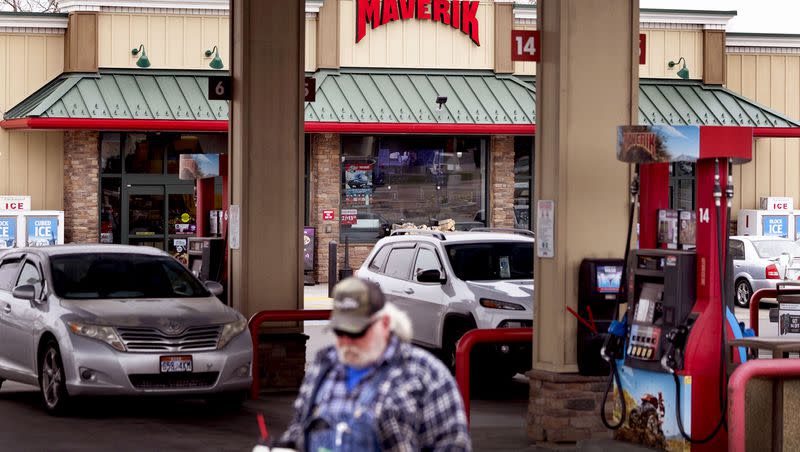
(216, 63)
(441, 100)
(683, 72)
(143, 61)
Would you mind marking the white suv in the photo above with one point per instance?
(450, 283)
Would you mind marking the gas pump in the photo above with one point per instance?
(668, 353)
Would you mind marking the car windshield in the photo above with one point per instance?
(774, 248)
(91, 276)
(490, 261)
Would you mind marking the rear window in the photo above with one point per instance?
(775, 248)
(379, 259)
(492, 260)
(117, 275)
(8, 273)
(399, 263)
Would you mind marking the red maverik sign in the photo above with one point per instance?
(459, 14)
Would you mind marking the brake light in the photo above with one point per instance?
(772, 272)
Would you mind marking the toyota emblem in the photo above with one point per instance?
(173, 327)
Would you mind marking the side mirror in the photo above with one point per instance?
(24, 292)
(430, 276)
(214, 287)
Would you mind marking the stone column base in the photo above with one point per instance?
(282, 361)
(565, 408)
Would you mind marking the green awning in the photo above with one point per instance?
(359, 101)
(125, 94)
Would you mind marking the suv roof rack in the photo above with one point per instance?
(437, 234)
(524, 232)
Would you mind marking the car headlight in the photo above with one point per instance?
(101, 333)
(231, 330)
(496, 304)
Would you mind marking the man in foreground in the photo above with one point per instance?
(373, 390)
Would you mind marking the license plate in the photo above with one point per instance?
(171, 364)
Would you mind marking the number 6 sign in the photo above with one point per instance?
(219, 87)
(525, 45)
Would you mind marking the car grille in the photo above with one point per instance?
(196, 338)
(173, 381)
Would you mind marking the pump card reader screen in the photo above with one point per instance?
(651, 295)
(609, 278)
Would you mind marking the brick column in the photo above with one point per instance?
(501, 181)
(81, 186)
(325, 186)
(566, 408)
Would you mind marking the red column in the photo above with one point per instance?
(205, 203)
(653, 195)
(703, 352)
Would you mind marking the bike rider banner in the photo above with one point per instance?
(651, 418)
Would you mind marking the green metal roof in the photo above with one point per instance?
(372, 96)
(678, 102)
(377, 96)
(125, 94)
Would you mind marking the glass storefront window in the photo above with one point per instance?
(144, 154)
(110, 159)
(110, 210)
(390, 180)
(194, 144)
(523, 181)
(146, 214)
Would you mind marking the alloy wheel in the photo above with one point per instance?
(743, 294)
(52, 378)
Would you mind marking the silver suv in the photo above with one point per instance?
(117, 320)
(450, 283)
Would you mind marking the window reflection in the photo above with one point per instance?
(420, 180)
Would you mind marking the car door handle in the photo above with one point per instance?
(7, 309)
(409, 291)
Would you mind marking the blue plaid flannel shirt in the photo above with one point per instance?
(418, 408)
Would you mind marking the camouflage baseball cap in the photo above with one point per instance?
(355, 301)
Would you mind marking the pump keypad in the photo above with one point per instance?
(644, 342)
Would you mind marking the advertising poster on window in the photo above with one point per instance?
(349, 216)
(198, 166)
(41, 231)
(8, 232)
(545, 228)
(308, 248)
(358, 183)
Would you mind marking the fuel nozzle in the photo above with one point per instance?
(729, 185)
(676, 340)
(615, 341)
(717, 185)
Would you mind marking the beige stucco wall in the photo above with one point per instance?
(311, 44)
(31, 163)
(662, 46)
(416, 43)
(773, 81)
(171, 41)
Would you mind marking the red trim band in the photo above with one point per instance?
(776, 132)
(222, 126)
(166, 125)
(420, 129)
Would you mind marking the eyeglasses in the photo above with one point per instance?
(347, 334)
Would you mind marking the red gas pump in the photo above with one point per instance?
(671, 361)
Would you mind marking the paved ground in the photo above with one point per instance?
(163, 424)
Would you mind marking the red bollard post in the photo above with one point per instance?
(737, 385)
(276, 316)
(472, 337)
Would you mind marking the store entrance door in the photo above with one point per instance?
(161, 216)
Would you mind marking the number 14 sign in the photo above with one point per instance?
(525, 45)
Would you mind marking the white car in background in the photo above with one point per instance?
(452, 282)
(761, 262)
